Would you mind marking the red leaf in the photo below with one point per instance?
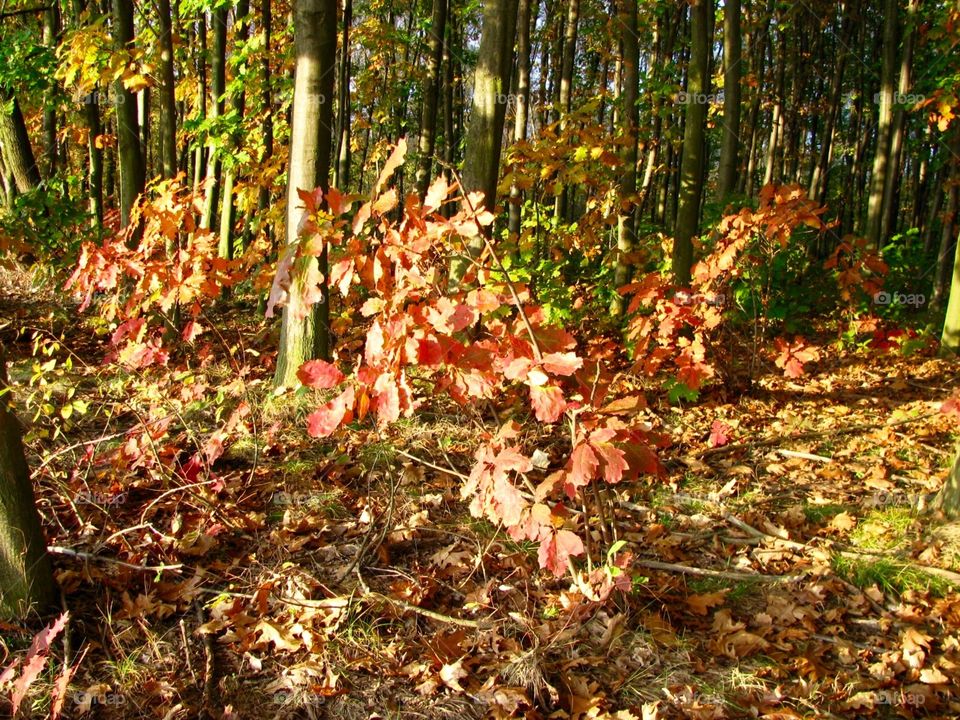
(614, 461)
(373, 352)
(393, 162)
(319, 374)
(387, 403)
(951, 406)
(556, 550)
(582, 469)
(562, 363)
(793, 356)
(547, 402)
(322, 422)
(719, 433)
(36, 659)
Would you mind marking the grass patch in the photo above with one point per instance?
(885, 529)
(739, 590)
(819, 514)
(889, 575)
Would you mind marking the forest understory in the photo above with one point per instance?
(784, 565)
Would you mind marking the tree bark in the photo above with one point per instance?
(132, 168)
(691, 164)
(524, 15)
(730, 144)
(431, 92)
(881, 159)
(341, 178)
(26, 578)
(626, 220)
(17, 150)
(168, 101)
(315, 44)
(218, 86)
(491, 82)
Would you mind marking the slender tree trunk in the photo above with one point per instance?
(341, 177)
(168, 100)
(626, 219)
(491, 82)
(730, 144)
(51, 28)
(431, 92)
(881, 159)
(132, 168)
(26, 578)
(200, 60)
(218, 86)
(304, 332)
(266, 99)
(568, 62)
(950, 338)
(238, 104)
(948, 233)
(892, 181)
(691, 164)
(523, 103)
(947, 500)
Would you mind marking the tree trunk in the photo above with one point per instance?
(266, 99)
(566, 89)
(315, 44)
(168, 101)
(881, 159)
(730, 144)
(888, 222)
(200, 61)
(17, 150)
(341, 177)
(626, 220)
(691, 164)
(950, 338)
(51, 29)
(947, 499)
(431, 92)
(132, 169)
(238, 104)
(26, 578)
(218, 86)
(491, 81)
(524, 14)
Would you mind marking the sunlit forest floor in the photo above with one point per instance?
(784, 566)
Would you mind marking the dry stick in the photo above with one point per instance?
(58, 550)
(948, 575)
(811, 435)
(723, 574)
(439, 617)
(429, 464)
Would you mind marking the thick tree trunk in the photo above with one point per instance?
(132, 168)
(431, 93)
(947, 499)
(691, 164)
(26, 578)
(730, 143)
(315, 43)
(17, 151)
(491, 83)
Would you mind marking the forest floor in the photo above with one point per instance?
(785, 566)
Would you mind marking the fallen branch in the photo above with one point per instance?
(721, 574)
(58, 550)
(439, 617)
